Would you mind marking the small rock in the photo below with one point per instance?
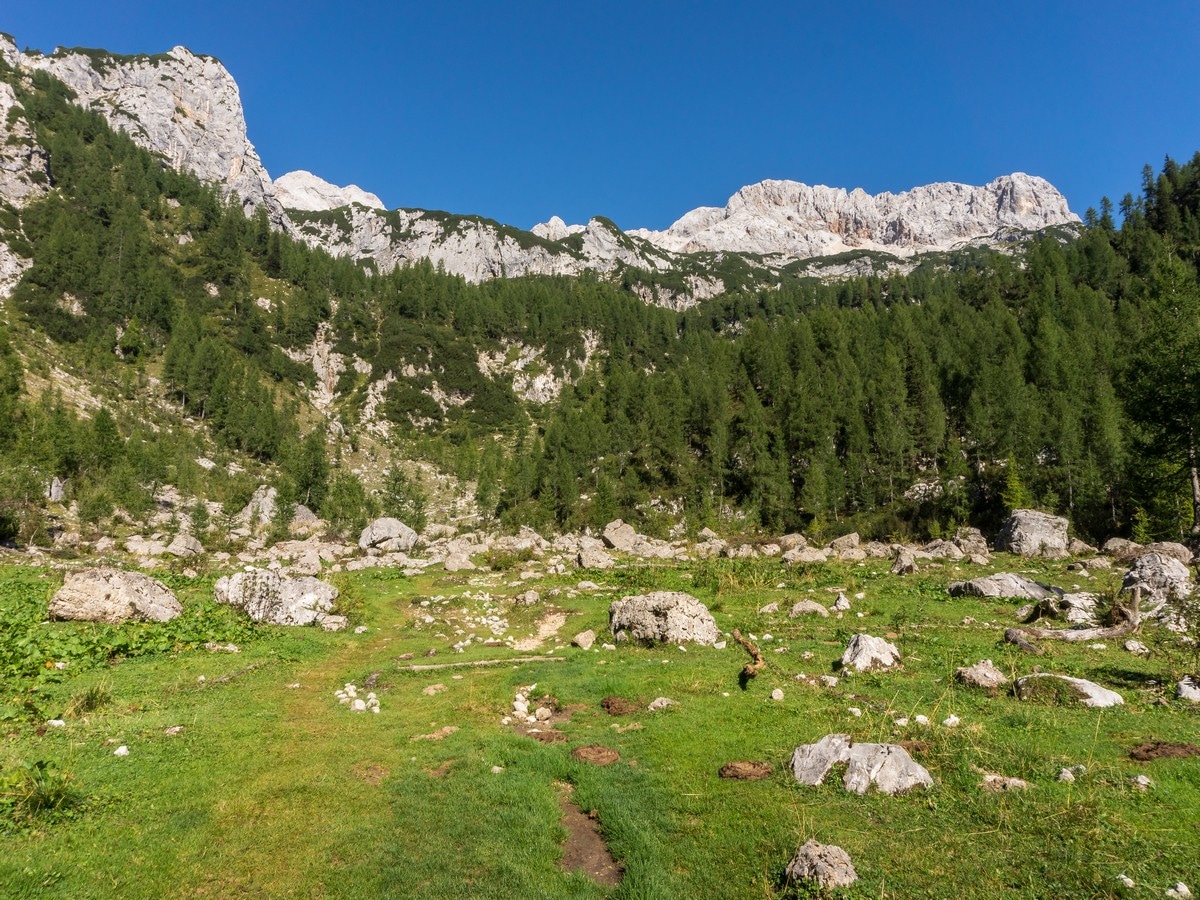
(361, 629)
(855, 711)
(808, 607)
(1137, 647)
(1141, 783)
(866, 653)
(772, 607)
(434, 689)
(660, 703)
(1066, 775)
(121, 751)
(951, 721)
(56, 723)
(1126, 880)
(777, 694)
(1188, 689)
(173, 730)
(1180, 891)
(983, 675)
(496, 770)
(921, 720)
(584, 639)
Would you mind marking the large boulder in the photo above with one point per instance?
(1031, 533)
(1087, 693)
(620, 535)
(387, 535)
(826, 865)
(670, 616)
(113, 596)
(266, 597)
(866, 653)
(185, 545)
(887, 766)
(1160, 578)
(1003, 585)
(983, 674)
(260, 511)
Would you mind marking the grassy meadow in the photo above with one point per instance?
(271, 788)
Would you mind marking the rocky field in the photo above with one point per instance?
(602, 715)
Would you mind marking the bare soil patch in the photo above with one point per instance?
(746, 770)
(585, 850)
(596, 754)
(441, 734)
(369, 772)
(549, 736)
(1159, 749)
(440, 771)
(620, 706)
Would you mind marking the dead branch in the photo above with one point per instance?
(751, 669)
(1129, 622)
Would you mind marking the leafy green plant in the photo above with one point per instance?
(37, 788)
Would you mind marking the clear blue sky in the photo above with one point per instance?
(643, 110)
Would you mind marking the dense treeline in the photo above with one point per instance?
(1062, 376)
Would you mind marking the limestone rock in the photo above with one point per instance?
(888, 766)
(1121, 549)
(1031, 533)
(867, 653)
(1004, 585)
(113, 596)
(593, 558)
(624, 537)
(793, 220)
(905, 564)
(266, 597)
(259, 512)
(458, 562)
(305, 191)
(971, 542)
(1089, 693)
(185, 545)
(806, 555)
(670, 616)
(792, 542)
(584, 639)
(825, 864)
(845, 542)
(1188, 689)
(1160, 578)
(983, 674)
(808, 607)
(388, 535)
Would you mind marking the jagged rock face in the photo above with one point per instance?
(556, 229)
(304, 190)
(24, 172)
(790, 219)
(184, 106)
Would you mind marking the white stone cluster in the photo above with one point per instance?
(348, 696)
(521, 712)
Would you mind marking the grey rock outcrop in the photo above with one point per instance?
(266, 597)
(305, 191)
(1088, 693)
(797, 221)
(113, 596)
(826, 865)
(1002, 585)
(888, 766)
(905, 563)
(184, 107)
(808, 607)
(388, 535)
(866, 653)
(624, 537)
(593, 558)
(1031, 533)
(185, 545)
(670, 616)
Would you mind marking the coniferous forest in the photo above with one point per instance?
(1062, 375)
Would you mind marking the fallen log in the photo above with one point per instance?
(1130, 621)
(751, 669)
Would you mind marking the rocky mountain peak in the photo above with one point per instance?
(556, 229)
(306, 191)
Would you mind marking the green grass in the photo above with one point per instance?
(274, 790)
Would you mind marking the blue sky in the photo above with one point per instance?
(642, 111)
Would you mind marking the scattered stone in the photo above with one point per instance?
(529, 598)
(458, 562)
(1188, 689)
(334, 623)
(983, 674)
(826, 865)
(596, 754)
(845, 542)
(1141, 783)
(113, 596)
(905, 564)
(772, 607)
(1126, 880)
(584, 639)
(593, 558)
(173, 730)
(808, 607)
(1031, 533)
(184, 545)
(777, 694)
(746, 771)
(1137, 648)
(842, 604)
(660, 703)
(887, 765)
(1180, 891)
(433, 690)
(56, 723)
(1088, 693)
(951, 721)
(668, 616)
(855, 711)
(1160, 578)
(999, 784)
(1002, 585)
(121, 751)
(867, 653)
(214, 647)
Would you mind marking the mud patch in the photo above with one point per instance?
(746, 770)
(619, 706)
(596, 754)
(369, 772)
(1162, 749)
(547, 737)
(585, 850)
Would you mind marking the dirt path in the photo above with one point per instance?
(547, 628)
